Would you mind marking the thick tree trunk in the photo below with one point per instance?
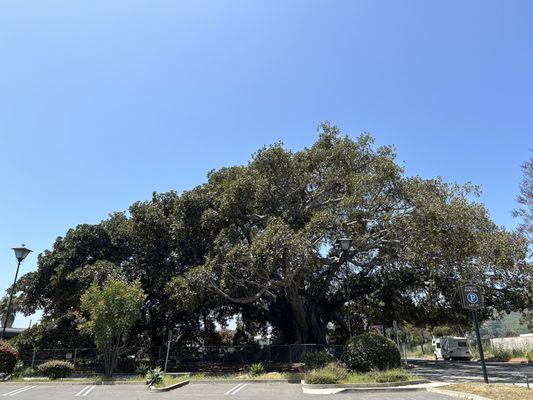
(297, 323)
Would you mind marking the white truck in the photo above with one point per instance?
(451, 348)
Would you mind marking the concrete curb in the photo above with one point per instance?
(362, 385)
(457, 395)
(169, 388)
(420, 385)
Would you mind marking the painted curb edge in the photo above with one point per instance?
(169, 388)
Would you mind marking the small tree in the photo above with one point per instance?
(112, 309)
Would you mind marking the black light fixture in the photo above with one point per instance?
(345, 243)
(21, 252)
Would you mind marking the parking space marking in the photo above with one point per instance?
(85, 391)
(17, 391)
(236, 388)
(235, 391)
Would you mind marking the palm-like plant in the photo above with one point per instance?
(15, 307)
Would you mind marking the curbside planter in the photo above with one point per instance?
(169, 388)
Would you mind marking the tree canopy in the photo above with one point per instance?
(259, 241)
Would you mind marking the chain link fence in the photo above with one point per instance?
(182, 357)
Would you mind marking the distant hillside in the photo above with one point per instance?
(509, 325)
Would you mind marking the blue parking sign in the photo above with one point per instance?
(471, 296)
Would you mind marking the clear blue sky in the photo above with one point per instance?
(104, 102)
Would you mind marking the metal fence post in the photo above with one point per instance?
(290, 355)
(75, 354)
(269, 354)
(33, 358)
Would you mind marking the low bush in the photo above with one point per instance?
(369, 351)
(256, 369)
(317, 359)
(8, 358)
(393, 375)
(19, 369)
(331, 373)
(500, 353)
(154, 376)
(142, 369)
(56, 369)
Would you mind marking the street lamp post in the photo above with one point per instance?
(345, 244)
(20, 254)
(383, 323)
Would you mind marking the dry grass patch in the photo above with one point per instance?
(494, 391)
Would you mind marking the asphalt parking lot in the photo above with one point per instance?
(194, 391)
(461, 371)
(446, 371)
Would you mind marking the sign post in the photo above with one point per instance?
(473, 300)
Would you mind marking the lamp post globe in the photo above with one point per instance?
(21, 252)
(345, 243)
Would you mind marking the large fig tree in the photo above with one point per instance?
(276, 221)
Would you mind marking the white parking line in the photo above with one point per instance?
(233, 388)
(235, 391)
(236, 388)
(19, 390)
(85, 391)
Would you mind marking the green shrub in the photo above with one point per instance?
(142, 369)
(256, 369)
(317, 359)
(19, 369)
(8, 358)
(369, 351)
(56, 369)
(154, 376)
(331, 373)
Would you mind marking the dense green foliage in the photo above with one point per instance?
(8, 358)
(112, 310)
(368, 352)
(316, 359)
(56, 369)
(258, 241)
(50, 333)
